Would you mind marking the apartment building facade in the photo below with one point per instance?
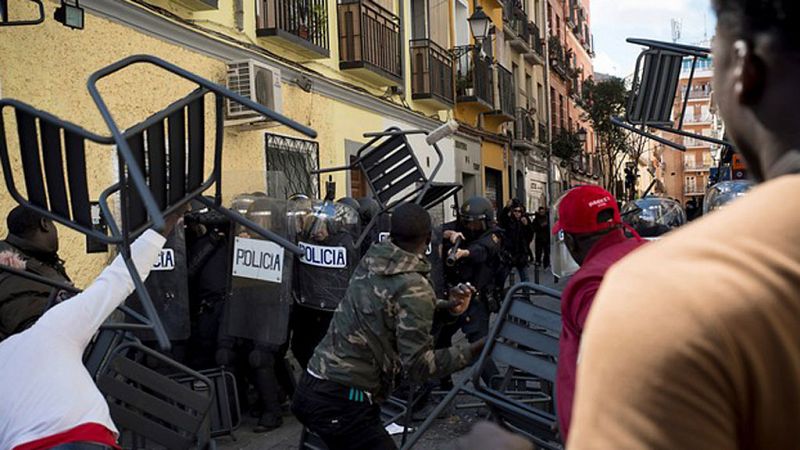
(686, 174)
(570, 51)
(342, 67)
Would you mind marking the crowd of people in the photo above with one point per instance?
(687, 342)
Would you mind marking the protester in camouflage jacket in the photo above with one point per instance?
(384, 325)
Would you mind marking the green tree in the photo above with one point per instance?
(601, 101)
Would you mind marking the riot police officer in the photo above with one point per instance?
(473, 249)
(327, 232)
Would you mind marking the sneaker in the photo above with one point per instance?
(268, 422)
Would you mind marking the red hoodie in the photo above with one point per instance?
(575, 303)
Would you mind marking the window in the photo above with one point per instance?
(289, 165)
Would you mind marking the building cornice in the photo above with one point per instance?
(193, 37)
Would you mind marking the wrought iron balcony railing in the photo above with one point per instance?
(302, 22)
(517, 22)
(537, 43)
(558, 57)
(474, 77)
(524, 129)
(369, 37)
(432, 74)
(506, 91)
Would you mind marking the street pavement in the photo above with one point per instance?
(441, 436)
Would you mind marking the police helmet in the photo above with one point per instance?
(654, 216)
(349, 201)
(477, 209)
(368, 208)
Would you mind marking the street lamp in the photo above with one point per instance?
(479, 24)
(582, 135)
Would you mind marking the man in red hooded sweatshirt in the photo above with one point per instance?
(590, 226)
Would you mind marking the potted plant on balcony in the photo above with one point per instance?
(302, 21)
(464, 84)
(320, 16)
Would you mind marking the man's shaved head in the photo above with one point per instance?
(411, 226)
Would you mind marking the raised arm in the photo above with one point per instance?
(415, 343)
(81, 316)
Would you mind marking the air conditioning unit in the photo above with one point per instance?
(259, 83)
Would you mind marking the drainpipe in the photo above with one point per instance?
(548, 103)
(403, 48)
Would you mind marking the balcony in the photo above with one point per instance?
(696, 167)
(301, 25)
(196, 5)
(695, 143)
(558, 57)
(474, 79)
(432, 75)
(536, 53)
(542, 133)
(572, 17)
(693, 191)
(698, 119)
(505, 103)
(699, 94)
(369, 42)
(524, 130)
(517, 28)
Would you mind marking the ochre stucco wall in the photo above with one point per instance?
(48, 65)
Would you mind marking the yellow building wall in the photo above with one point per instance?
(48, 65)
(493, 156)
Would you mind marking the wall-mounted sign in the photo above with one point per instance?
(323, 256)
(257, 259)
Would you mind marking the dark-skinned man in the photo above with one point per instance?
(35, 240)
(590, 227)
(692, 342)
(381, 330)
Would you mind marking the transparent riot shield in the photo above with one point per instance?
(261, 274)
(654, 216)
(327, 232)
(562, 264)
(722, 193)
(168, 286)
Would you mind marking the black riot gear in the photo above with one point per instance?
(475, 217)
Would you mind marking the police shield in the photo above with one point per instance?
(327, 233)
(168, 287)
(260, 274)
(654, 216)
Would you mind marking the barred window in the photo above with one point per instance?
(290, 162)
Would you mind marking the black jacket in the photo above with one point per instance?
(22, 301)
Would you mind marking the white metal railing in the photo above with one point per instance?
(698, 118)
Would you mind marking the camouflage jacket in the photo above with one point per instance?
(383, 327)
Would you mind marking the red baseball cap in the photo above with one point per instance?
(579, 208)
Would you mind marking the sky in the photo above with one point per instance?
(613, 21)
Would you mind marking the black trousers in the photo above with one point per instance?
(309, 327)
(343, 418)
(542, 253)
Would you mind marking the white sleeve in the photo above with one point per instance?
(81, 316)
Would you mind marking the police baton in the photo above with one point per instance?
(451, 255)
